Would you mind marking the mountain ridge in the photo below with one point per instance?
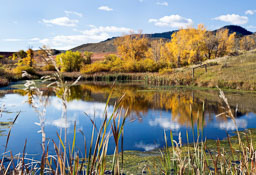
(107, 46)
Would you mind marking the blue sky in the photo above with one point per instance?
(63, 24)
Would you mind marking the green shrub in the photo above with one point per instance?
(69, 61)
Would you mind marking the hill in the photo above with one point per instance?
(108, 46)
(240, 31)
(104, 46)
(164, 35)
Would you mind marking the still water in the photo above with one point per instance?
(151, 112)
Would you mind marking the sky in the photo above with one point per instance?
(64, 24)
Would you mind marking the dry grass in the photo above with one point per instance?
(229, 72)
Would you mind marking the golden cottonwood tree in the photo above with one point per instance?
(187, 45)
(196, 44)
(211, 45)
(154, 52)
(226, 42)
(177, 47)
(132, 46)
(247, 43)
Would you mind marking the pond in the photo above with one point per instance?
(151, 112)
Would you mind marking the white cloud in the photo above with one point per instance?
(68, 13)
(146, 147)
(92, 35)
(230, 125)
(69, 41)
(61, 123)
(107, 29)
(250, 12)
(165, 123)
(162, 3)
(62, 21)
(91, 108)
(174, 21)
(233, 19)
(105, 8)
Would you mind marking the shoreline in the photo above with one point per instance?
(152, 80)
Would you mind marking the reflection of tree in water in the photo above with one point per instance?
(76, 93)
(139, 102)
(182, 104)
(185, 108)
(182, 107)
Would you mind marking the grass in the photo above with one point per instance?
(149, 162)
(233, 72)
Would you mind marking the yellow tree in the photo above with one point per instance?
(226, 42)
(154, 51)
(211, 45)
(187, 45)
(247, 43)
(166, 53)
(178, 47)
(29, 59)
(196, 44)
(132, 46)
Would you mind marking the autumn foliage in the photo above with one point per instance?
(187, 46)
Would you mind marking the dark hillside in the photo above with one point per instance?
(240, 31)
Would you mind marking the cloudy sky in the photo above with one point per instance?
(63, 24)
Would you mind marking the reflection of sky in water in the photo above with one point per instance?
(144, 135)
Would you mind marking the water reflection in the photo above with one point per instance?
(185, 107)
(150, 112)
